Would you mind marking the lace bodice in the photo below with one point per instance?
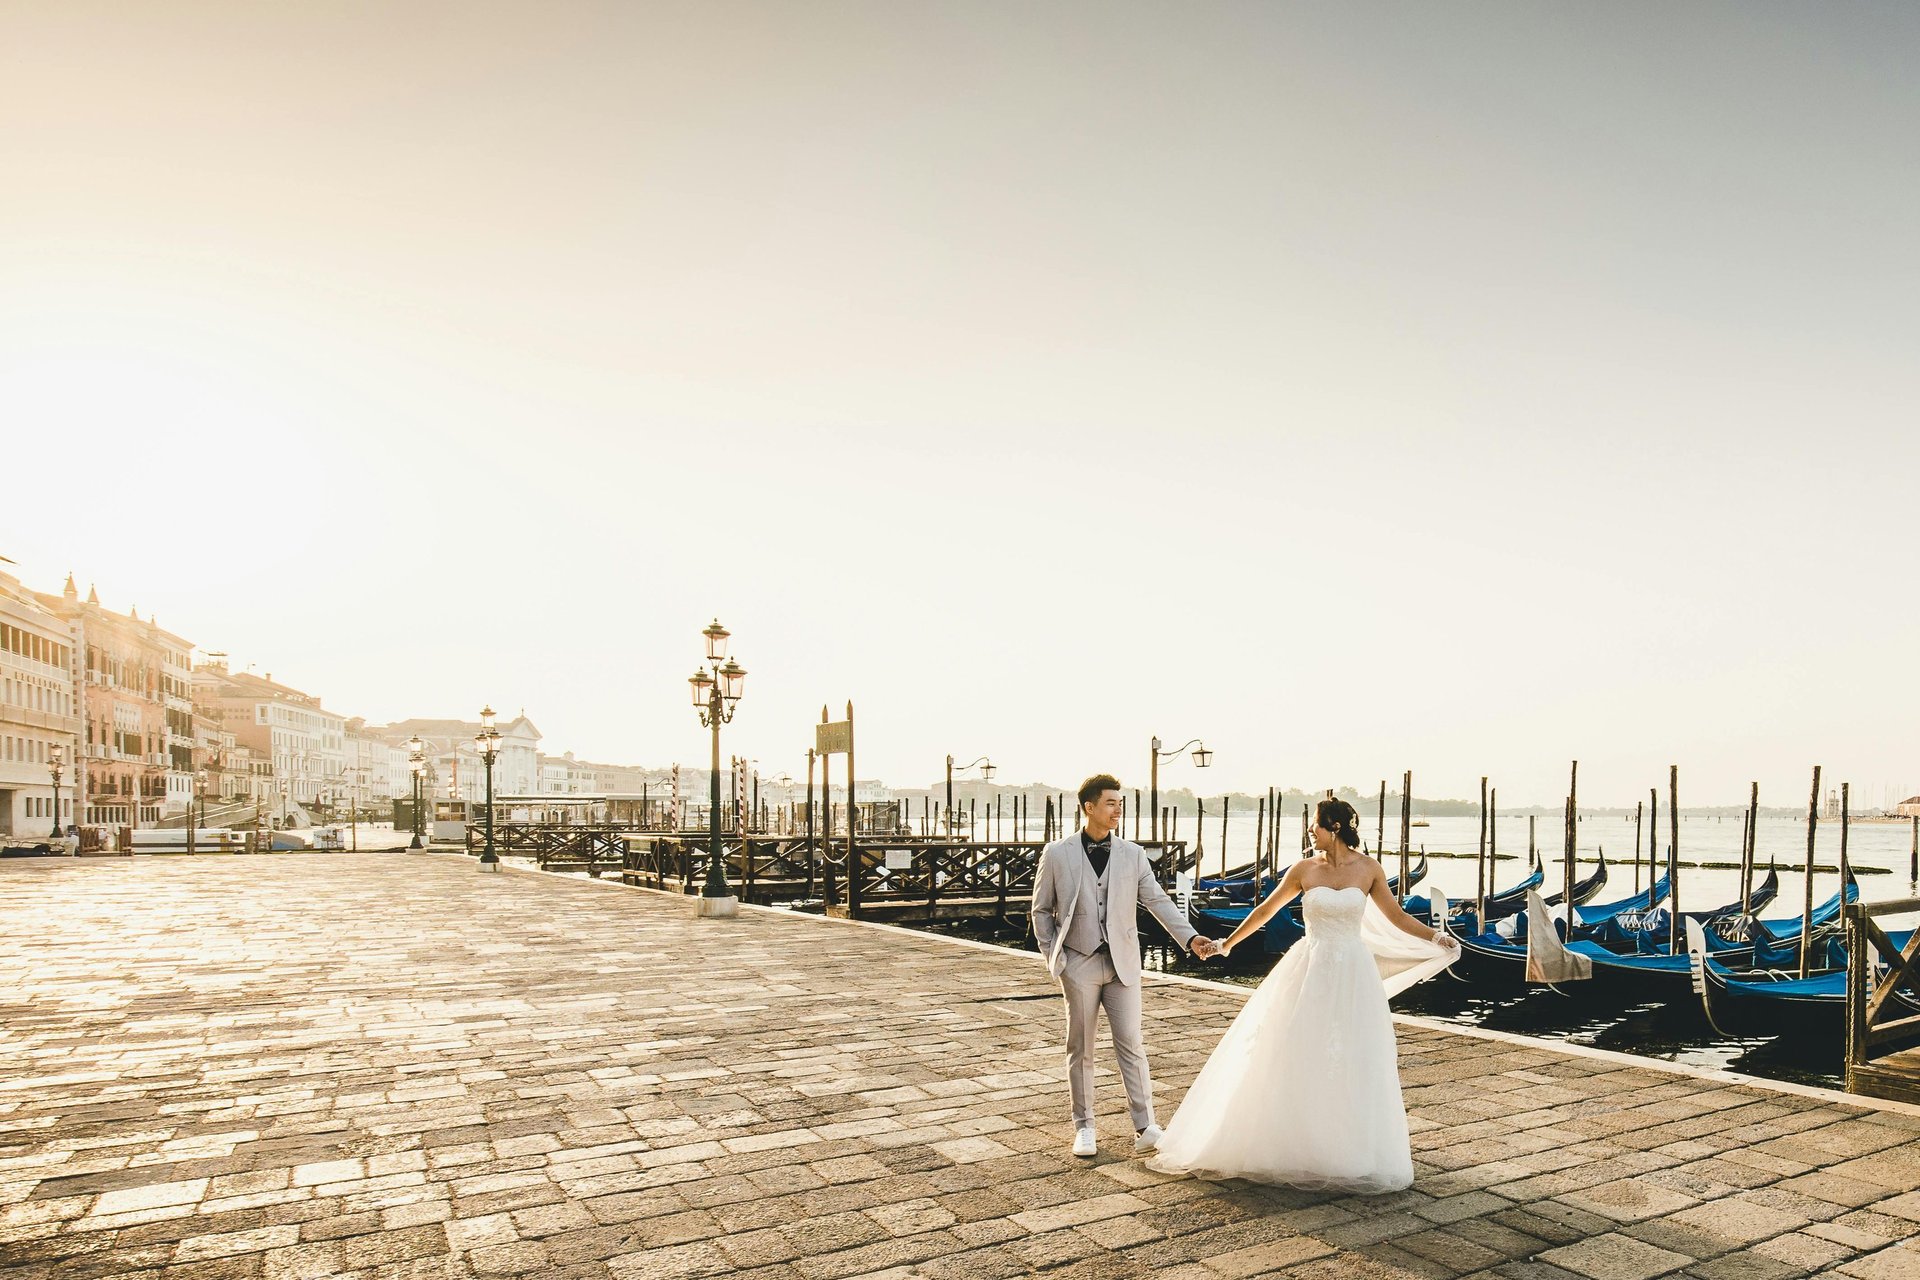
(1333, 914)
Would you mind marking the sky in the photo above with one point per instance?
(1460, 388)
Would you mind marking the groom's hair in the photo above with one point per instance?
(1092, 788)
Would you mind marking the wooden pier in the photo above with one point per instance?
(1876, 1016)
(891, 877)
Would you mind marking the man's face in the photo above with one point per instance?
(1107, 811)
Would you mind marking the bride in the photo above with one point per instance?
(1304, 1088)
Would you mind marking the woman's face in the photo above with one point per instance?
(1323, 839)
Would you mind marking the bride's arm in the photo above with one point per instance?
(1390, 908)
(1283, 893)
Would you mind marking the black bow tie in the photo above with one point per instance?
(1104, 846)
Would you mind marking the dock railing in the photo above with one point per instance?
(893, 876)
(553, 844)
(1875, 1018)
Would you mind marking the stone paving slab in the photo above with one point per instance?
(389, 1065)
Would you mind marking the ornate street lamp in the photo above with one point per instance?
(1201, 759)
(58, 764)
(986, 771)
(716, 697)
(487, 743)
(417, 764)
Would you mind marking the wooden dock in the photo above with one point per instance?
(386, 1065)
(892, 877)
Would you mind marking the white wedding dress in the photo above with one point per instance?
(1304, 1088)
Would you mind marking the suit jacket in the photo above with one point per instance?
(1063, 886)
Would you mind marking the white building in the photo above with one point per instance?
(303, 742)
(562, 775)
(458, 770)
(176, 696)
(380, 766)
(37, 713)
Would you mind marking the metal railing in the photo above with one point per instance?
(595, 848)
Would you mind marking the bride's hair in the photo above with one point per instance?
(1339, 817)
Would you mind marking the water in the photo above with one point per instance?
(1878, 852)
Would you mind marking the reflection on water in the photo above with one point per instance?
(1673, 1033)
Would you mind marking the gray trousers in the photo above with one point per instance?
(1089, 984)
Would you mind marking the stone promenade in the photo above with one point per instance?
(391, 1065)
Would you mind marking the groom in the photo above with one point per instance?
(1085, 892)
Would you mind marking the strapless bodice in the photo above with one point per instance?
(1333, 913)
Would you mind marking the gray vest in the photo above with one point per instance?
(1088, 933)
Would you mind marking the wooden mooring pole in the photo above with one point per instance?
(1806, 910)
(1639, 814)
(1226, 803)
(1406, 830)
(1479, 870)
(1259, 849)
(1753, 849)
(1573, 841)
(1493, 833)
(1673, 860)
(1380, 829)
(1846, 801)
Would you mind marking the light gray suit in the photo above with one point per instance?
(1074, 913)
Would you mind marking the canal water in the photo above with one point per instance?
(1879, 854)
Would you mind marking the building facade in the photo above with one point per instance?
(457, 769)
(303, 744)
(132, 770)
(380, 765)
(38, 714)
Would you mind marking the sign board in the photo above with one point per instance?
(834, 739)
(899, 859)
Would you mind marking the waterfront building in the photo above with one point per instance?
(562, 775)
(457, 768)
(626, 779)
(383, 765)
(1908, 808)
(303, 744)
(135, 762)
(38, 712)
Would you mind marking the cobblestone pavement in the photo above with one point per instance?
(390, 1065)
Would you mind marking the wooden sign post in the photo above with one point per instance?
(832, 738)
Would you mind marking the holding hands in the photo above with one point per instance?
(1207, 949)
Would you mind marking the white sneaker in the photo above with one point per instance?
(1147, 1139)
(1085, 1143)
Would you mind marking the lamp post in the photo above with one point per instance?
(986, 771)
(487, 743)
(58, 765)
(417, 765)
(359, 773)
(1201, 759)
(199, 802)
(716, 696)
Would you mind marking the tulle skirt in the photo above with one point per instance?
(1304, 1088)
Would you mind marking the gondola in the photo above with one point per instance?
(1286, 926)
(1512, 901)
(1647, 970)
(1779, 1002)
(1623, 928)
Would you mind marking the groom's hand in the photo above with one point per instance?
(1203, 948)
